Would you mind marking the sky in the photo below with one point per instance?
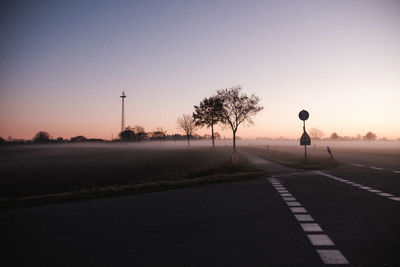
(64, 64)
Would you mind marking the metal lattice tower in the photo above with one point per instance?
(123, 112)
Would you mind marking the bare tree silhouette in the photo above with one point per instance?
(238, 108)
(187, 123)
(316, 134)
(208, 113)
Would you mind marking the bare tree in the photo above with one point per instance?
(316, 134)
(238, 108)
(187, 124)
(208, 113)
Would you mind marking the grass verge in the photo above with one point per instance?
(111, 191)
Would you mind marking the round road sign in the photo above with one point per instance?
(303, 115)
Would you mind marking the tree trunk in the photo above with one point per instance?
(212, 134)
(234, 141)
(188, 139)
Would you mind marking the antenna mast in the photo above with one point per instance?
(123, 112)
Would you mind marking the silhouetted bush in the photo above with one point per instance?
(334, 136)
(370, 136)
(41, 137)
(158, 135)
(78, 139)
(127, 136)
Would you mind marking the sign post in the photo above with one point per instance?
(305, 139)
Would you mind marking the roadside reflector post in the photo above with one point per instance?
(305, 139)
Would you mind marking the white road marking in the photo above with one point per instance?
(279, 187)
(286, 195)
(372, 190)
(282, 191)
(396, 171)
(289, 199)
(357, 165)
(311, 227)
(298, 210)
(320, 240)
(385, 194)
(332, 256)
(304, 217)
(365, 187)
(375, 191)
(376, 168)
(293, 204)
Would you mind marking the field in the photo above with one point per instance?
(33, 170)
(96, 170)
(291, 154)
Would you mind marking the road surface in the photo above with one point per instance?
(348, 215)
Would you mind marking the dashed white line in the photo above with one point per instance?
(332, 256)
(365, 187)
(298, 210)
(376, 168)
(304, 218)
(311, 227)
(369, 189)
(293, 203)
(385, 194)
(375, 191)
(358, 165)
(328, 256)
(320, 240)
(289, 199)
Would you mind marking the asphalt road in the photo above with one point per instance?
(235, 224)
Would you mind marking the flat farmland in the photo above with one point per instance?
(380, 154)
(50, 169)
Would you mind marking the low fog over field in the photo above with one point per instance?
(55, 168)
(43, 169)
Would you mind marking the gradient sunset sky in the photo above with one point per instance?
(64, 64)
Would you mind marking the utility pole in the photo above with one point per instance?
(123, 112)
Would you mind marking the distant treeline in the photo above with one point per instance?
(317, 135)
(128, 135)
